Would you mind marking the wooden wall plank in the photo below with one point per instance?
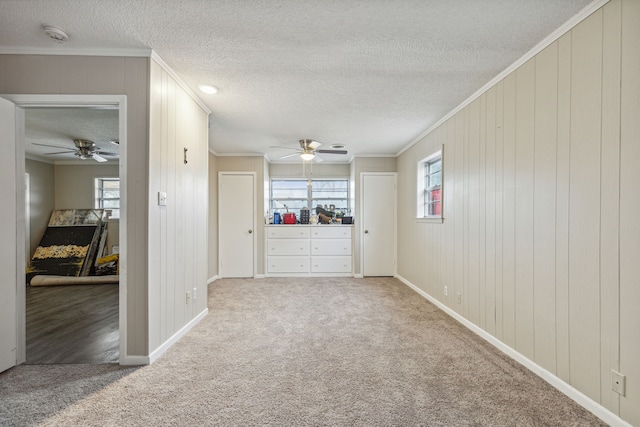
(584, 202)
(459, 211)
(629, 208)
(525, 125)
(509, 212)
(473, 237)
(544, 208)
(610, 204)
(499, 209)
(562, 207)
(482, 198)
(490, 218)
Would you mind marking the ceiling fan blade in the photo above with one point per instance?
(54, 146)
(285, 148)
(288, 155)
(318, 159)
(97, 158)
(106, 153)
(332, 151)
(60, 152)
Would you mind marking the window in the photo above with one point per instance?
(108, 196)
(430, 187)
(298, 193)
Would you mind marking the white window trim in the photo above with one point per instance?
(420, 189)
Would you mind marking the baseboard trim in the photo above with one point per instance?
(259, 276)
(147, 360)
(212, 279)
(586, 402)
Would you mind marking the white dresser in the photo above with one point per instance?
(309, 250)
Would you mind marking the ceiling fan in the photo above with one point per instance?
(85, 150)
(309, 148)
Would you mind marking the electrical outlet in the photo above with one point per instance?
(459, 298)
(618, 382)
(446, 290)
(188, 297)
(195, 293)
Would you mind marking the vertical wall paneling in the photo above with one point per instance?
(584, 202)
(544, 207)
(449, 169)
(499, 209)
(629, 208)
(525, 87)
(472, 295)
(541, 235)
(508, 219)
(458, 210)
(490, 213)
(177, 242)
(563, 168)
(482, 198)
(610, 203)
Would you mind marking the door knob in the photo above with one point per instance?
(366, 231)
(250, 231)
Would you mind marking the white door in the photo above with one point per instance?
(8, 242)
(236, 215)
(378, 228)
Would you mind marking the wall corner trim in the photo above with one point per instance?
(212, 279)
(175, 337)
(592, 406)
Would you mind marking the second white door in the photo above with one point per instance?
(378, 228)
(236, 224)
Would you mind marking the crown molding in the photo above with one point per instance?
(142, 52)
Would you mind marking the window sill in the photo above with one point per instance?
(432, 220)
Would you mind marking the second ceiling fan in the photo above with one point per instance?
(308, 150)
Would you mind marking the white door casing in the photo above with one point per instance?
(378, 223)
(12, 165)
(8, 254)
(236, 213)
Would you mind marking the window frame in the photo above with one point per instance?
(99, 200)
(309, 199)
(423, 193)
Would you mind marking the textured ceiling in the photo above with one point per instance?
(372, 75)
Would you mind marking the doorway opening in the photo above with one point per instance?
(76, 323)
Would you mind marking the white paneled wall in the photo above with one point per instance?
(178, 231)
(541, 239)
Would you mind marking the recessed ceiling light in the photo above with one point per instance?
(56, 34)
(210, 90)
(337, 146)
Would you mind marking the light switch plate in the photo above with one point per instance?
(162, 198)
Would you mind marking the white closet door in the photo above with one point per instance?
(237, 224)
(378, 224)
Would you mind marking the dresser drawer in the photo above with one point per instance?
(288, 247)
(288, 264)
(287, 232)
(331, 264)
(330, 232)
(331, 247)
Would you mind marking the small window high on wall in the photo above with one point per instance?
(430, 187)
(108, 196)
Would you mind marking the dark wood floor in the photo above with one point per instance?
(72, 324)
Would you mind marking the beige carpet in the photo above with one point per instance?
(297, 352)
